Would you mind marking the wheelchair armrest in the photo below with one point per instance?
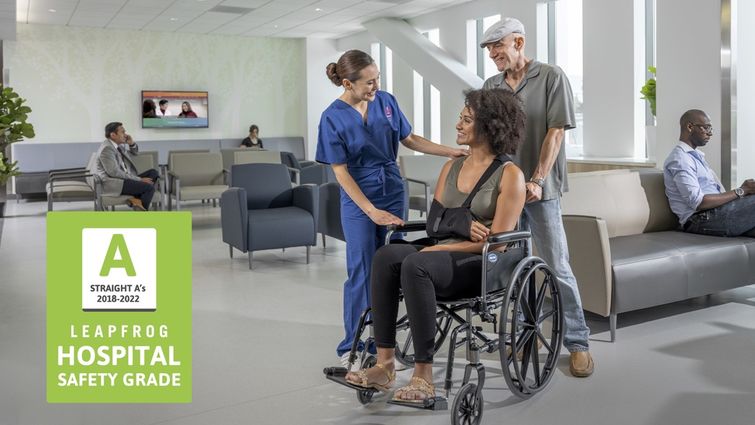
(409, 226)
(508, 237)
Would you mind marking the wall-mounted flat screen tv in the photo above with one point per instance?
(174, 109)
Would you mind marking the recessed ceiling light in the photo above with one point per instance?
(51, 10)
(317, 9)
(173, 19)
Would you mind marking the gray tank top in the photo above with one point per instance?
(483, 203)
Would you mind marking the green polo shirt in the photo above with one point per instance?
(548, 103)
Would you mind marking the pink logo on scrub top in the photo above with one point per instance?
(388, 112)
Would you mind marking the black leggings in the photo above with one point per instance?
(421, 276)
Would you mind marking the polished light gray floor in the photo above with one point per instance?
(262, 337)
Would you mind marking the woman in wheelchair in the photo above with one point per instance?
(492, 125)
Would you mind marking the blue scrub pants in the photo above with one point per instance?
(363, 238)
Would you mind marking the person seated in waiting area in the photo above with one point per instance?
(491, 124)
(117, 171)
(694, 191)
(252, 141)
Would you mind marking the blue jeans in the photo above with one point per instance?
(543, 218)
(735, 218)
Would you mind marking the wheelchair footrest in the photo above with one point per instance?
(338, 375)
(433, 403)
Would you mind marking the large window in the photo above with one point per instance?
(477, 58)
(649, 51)
(427, 101)
(568, 55)
(383, 56)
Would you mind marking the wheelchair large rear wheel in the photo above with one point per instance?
(404, 342)
(531, 317)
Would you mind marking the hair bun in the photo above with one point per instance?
(333, 76)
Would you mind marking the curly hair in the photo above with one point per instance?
(498, 118)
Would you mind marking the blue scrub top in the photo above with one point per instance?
(369, 149)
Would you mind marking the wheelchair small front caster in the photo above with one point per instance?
(365, 396)
(467, 408)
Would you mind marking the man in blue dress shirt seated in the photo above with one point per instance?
(694, 192)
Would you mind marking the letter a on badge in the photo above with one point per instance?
(117, 244)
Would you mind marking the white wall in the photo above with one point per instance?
(689, 70)
(320, 91)
(76, 80)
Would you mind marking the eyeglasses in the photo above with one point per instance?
(706, 127)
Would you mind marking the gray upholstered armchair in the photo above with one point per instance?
(330, 212)
(262, 211)
(307, 172)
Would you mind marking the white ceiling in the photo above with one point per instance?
(274, 18)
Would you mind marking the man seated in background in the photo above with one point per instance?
(117, 171)
(694, 192)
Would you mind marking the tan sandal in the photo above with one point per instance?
(416, 384)
(364, 382)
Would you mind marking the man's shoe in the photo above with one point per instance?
(344, 359)
(135, 204)
(581, 364)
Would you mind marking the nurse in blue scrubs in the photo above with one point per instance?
(358, 136)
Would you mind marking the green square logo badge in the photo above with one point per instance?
(119, 307)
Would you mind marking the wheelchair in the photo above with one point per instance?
(521, 292)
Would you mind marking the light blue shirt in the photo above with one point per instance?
(688, 178)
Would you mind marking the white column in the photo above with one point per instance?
(403, 83)
(689, 70)
(613, 68)
(453, 39)
(744, 166)
(320, 91)
(8, 20)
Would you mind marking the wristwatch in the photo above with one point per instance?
(740, 192)
(538, 182)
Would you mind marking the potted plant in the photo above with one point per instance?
(13, 128)
(648, 93)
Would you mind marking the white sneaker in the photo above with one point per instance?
(344, 359)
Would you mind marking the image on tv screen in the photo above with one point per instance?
(174, 109)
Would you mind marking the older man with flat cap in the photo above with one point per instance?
(545, 91)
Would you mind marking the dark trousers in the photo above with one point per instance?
(141, 190)
(421, 276)
(735, 218)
